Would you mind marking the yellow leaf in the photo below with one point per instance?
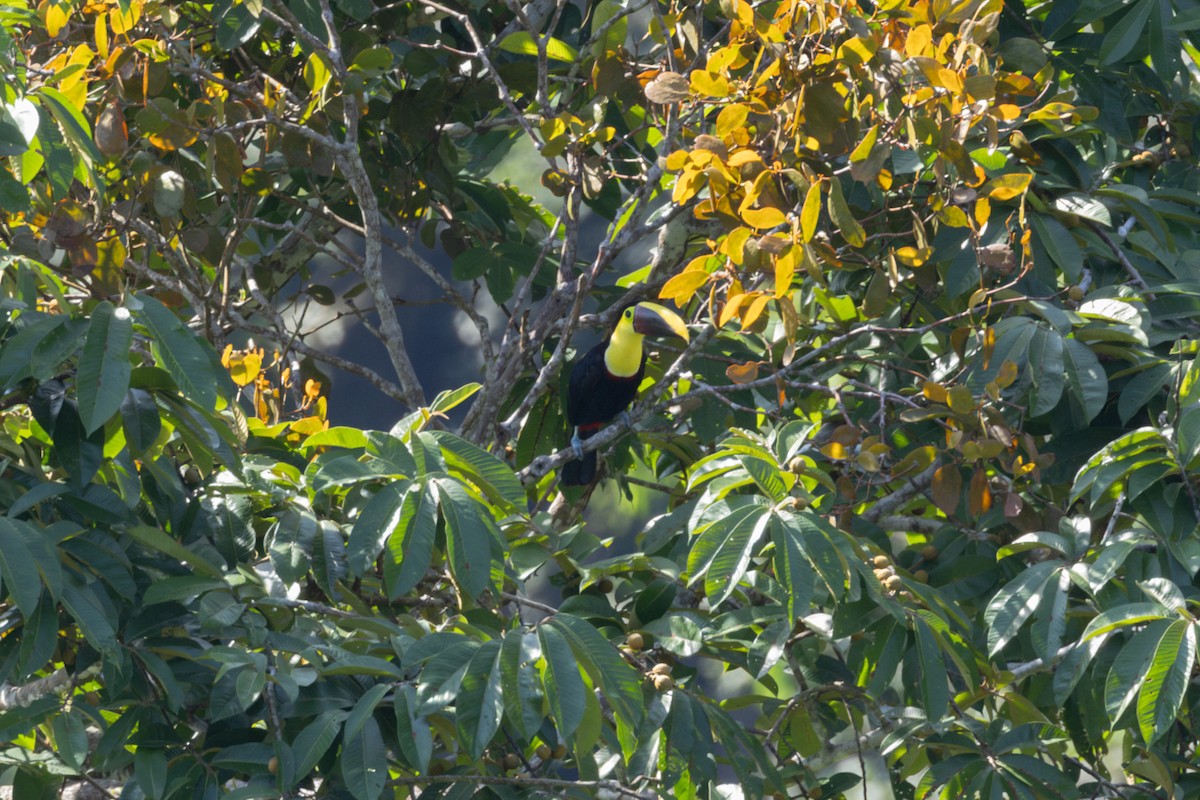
(709, 85)
(934, 392)
(961, 400)
(681, 287)
(950, 80)
(312, 389)
(56, 19)
(101, 35)
(731, 118)
(761, 218)
(919, 39)
(955, 217)
(1006, 111)
(979, 497)
(740, 158)
(1007, 374)
(785, 270)
(753, 311)
(734, 245)
(244, 367)
(732, 302)
(676, 160)
(983, 211)
(1006, 187)
(309, 425)
(810, 213)
(913, 257)
(865, 146)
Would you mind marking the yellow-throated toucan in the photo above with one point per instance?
(605, 381)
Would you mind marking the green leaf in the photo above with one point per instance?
(150, 767)
(493, 477)
(23, 583)
(364, 760)
(379, 519)
(1087, 383)
(480, 703)
(1141, 390)
(1059, 244)
(842, 217)
(1046, 368)
(1121, 38)
(96, 618)
(470, 535)
(312, 742)
(562, 682)
(412, 730)
(140, 420)
(163, 543)
(337, 436)
(1122, 617)
(1166, 680)
(522, 43)
(934, 690)
(519, 681)
(1010, 607)
(103, 377)
(179, 352)
(721, 553)
(410, 547)
(616, 679)
(1129, 669)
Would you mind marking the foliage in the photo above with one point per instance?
(926, 470)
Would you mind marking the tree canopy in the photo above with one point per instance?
(920, 493)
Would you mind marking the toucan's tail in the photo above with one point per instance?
(579, 471)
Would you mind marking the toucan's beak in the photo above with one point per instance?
(651, 319)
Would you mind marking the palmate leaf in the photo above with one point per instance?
(722, 551)
(471, 536)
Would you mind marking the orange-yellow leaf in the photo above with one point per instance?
(934, 392)
(947, 488)
(912, 257)
(732, 303)
(742, 373)
(785, 269)
(979, 497)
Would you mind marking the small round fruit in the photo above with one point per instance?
(605, 585)
(1075, 293)
(560, 751)
(663, 682)
(929, 552)
(544, 752)
(92, 699)
(273, 765)
(661, 668)
(635, 641)
(881, 561)
(921, 576)
(894, 583)
(883, 574)
(512, 761)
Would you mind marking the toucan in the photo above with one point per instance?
(604, 382)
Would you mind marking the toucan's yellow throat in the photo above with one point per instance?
(623, 356)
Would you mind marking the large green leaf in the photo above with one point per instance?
(722, 547)
(313, 742)
(933, 689)
(412, 730)
(615, 678)
(493, 477)
(363, 761)
(23, 583)
(479, 707)
(104, 368)
(1087, 383)
(96, 617)
(562, 682)
(519, 680)
(1122, 37)
(470, 537)
(1130, 668)
(1010, 607)
(1166, 681)
(180, 353)
(376, 522)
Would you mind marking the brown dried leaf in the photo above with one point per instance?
(742, 373)
(668, 87)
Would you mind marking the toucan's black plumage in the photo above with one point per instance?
(604, 382)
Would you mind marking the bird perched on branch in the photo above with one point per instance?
(604, 382)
